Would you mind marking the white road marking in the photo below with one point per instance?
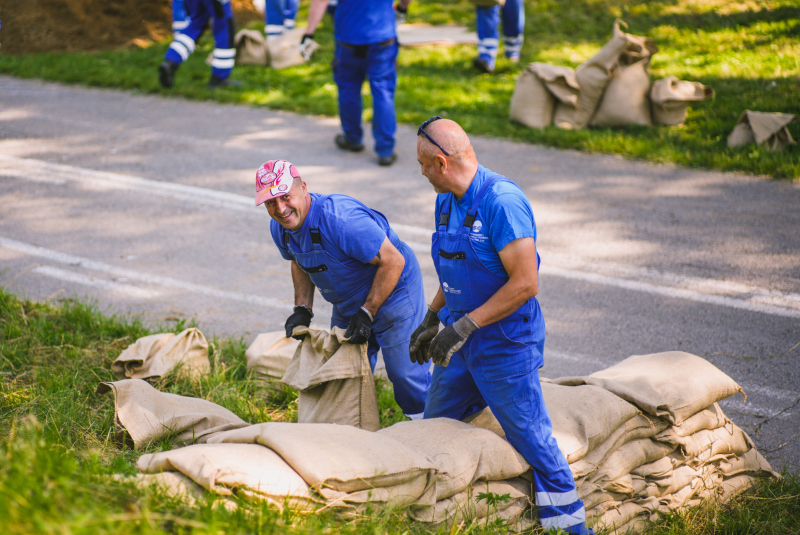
(78, 278)
(147, 278)
(708, 291)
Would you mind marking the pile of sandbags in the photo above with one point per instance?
(642, 437)
(611, 89)
(647, 436)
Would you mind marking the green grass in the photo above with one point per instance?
(748, 51)
(62, 472)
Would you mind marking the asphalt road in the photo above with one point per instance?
(144, 205)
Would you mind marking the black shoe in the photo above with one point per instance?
(166, 73)
(345, 144)
(386, 161)
(216, 82)
(482, 65)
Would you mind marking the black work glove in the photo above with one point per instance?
(422, 336)
(301, 316)
(400, 15)
(451, 339)
(306, 37)
(360, 327)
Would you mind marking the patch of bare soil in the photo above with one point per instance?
(30, 26)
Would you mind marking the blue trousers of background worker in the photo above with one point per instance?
(224, 27)
(279, 16)
(180, 20)
(354, 63)
(488, 21)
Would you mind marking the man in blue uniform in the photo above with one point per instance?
(491, 348)
(359, 265)
(199, 13)
(488, 20)
(366, 47)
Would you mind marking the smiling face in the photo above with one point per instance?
(291, 208)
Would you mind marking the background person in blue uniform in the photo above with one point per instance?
(180, 20)
(199, 13)
(366, 47)
(360, 266)
(491, 349)
(488, 21)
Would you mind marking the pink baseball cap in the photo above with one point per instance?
(274, 178)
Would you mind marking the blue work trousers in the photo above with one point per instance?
(180, 20)
(224, 27)
(509, 384)
(354, 63)
(279, 16)
(488, 21)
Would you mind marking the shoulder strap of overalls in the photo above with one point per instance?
(444, 215)
(316, 236)
(472, 213)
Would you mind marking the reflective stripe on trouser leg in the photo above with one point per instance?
(349, 76)
(382, 74)
(180, 20)
(512, 46)
(224, 32)
(488, 21)
(180, 49)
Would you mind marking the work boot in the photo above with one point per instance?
(482, 65)
(345, 144)
(166, 73)
(217, 82)
(386, 161)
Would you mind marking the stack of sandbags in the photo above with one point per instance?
(610, 89)
(152, 357)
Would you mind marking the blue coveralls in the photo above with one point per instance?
(488, 19)
(199, 12)
(345, 283)
(180, 20)
(279, 16)
(366, 47)
(499, 364)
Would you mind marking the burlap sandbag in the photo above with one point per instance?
(636, 428)
(249, 469)
(172, 484)
(284, 50)
(750, 462)
(142, 414)
(672, 385)
(676, 480)
(538, 88)
(346, 465)
(251, 48)
(154, 356)
(334, 379)
(769, 129)
(710, 418)
(659, 469)
(583, 417)
(462, 453)
(723, 441)
(733, 486)
(270, 354)
(614, 517)
(671, 97)
(467, 505)
(630, 456)
(488, 3)
(626, 99)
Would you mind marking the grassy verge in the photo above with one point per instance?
(747, 51)
(60, 467)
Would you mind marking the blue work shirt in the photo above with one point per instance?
(504, 215)
(364, 22)
(350, 232)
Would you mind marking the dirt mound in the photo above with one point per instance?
(30, 26)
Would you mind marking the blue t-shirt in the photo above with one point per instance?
(364, 22)
(351, 232)
(504, 215)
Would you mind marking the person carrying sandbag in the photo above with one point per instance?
(491, 348)
(360, 266)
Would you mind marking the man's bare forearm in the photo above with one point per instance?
(315, 13)
(303, 287)
(390, 264)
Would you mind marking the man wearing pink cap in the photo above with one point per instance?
(350, 253)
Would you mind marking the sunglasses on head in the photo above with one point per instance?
(422, 132)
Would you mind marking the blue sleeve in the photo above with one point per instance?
(357, 234)
(277, 236)
(510, 217)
